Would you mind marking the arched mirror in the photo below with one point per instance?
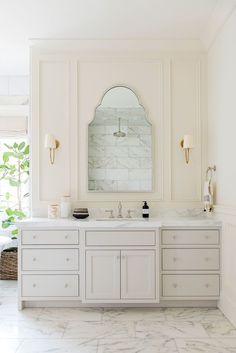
(120, 144)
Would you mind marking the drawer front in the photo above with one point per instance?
(120, 238)
(47, 237)
(190, 236)
(190, 259)
(50, 259)
(50, 286)
(190, 285)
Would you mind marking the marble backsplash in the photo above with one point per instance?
(170, 213)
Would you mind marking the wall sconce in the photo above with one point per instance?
(187, 144)
(52, 144)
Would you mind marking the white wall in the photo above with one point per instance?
(222, 147)
(68, 82)
(14, 85)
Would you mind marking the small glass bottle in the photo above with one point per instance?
(65, 206)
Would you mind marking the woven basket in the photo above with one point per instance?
(8, 264)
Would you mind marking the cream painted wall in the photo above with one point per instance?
(68, 82)
(222, 147)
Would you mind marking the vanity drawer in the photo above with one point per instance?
(50, 286)
(47, 237)
(190, 236)
(190, 285)
(120, 238)
(190, 259)
(50, 259)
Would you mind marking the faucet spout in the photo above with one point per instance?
(120, 210)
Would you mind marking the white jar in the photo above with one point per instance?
(65, 206)
(53, 210)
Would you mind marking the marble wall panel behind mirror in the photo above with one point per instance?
(120, 145)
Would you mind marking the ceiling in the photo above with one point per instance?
(95, 19)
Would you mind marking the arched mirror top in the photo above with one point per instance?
(122, 101)
(120, 144)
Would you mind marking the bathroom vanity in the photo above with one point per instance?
(157, 263)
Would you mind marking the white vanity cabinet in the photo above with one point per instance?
(102, 274)
(138, 274)
(121, 266)
(48, 265)
(126, 263)
(190, 263)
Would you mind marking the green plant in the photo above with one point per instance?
(15, 170)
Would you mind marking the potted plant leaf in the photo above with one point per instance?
(14, 170)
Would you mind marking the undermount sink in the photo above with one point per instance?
(121, 219)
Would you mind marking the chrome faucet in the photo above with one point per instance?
(120, 210)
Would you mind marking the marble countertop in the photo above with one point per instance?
(208, 221)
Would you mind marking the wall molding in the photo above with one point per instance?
(155, 88)
(228, 307)
(116, 45)
(225, 210)
(197, 129)
(221, 14)
(157, 131)
(227, 301)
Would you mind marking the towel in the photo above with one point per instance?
(208, 196)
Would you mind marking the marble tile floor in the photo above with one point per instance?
(96, 330)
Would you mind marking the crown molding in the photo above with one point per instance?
(219, 17)
(114, 45)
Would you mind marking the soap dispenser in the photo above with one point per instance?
(145, 210)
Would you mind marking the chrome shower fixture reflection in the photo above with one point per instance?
(119, 133)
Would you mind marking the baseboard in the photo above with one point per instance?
(228, 307)
(162, 304)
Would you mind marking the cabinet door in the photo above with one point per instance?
(138, 274)
(103, 274)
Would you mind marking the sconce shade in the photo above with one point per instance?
(188, 141)
(50, 141)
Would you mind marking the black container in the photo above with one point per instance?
(80, 213)
(145, 211)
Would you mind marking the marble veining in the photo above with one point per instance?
(137, 345)
(170, 329)
(120, 163)
(111, 330)
(194, 314)
(206, 345)
(152, 222)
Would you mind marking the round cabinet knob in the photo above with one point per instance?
(207, 259)
(175, 285)
(207, 285)
(67, 259)
(34, 259)
(174, 237)
(66, 285)
(206, 236)
(34, 285)
(34, 236)
(66, 236)
(174, 259)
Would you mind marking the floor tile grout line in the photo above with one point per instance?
(21, 343)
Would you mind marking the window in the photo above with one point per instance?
(12, 194)
(14, 167)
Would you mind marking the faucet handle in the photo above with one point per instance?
(111, 213)
(129, 213)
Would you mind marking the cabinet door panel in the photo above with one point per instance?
(103, 274)
(138, 274)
